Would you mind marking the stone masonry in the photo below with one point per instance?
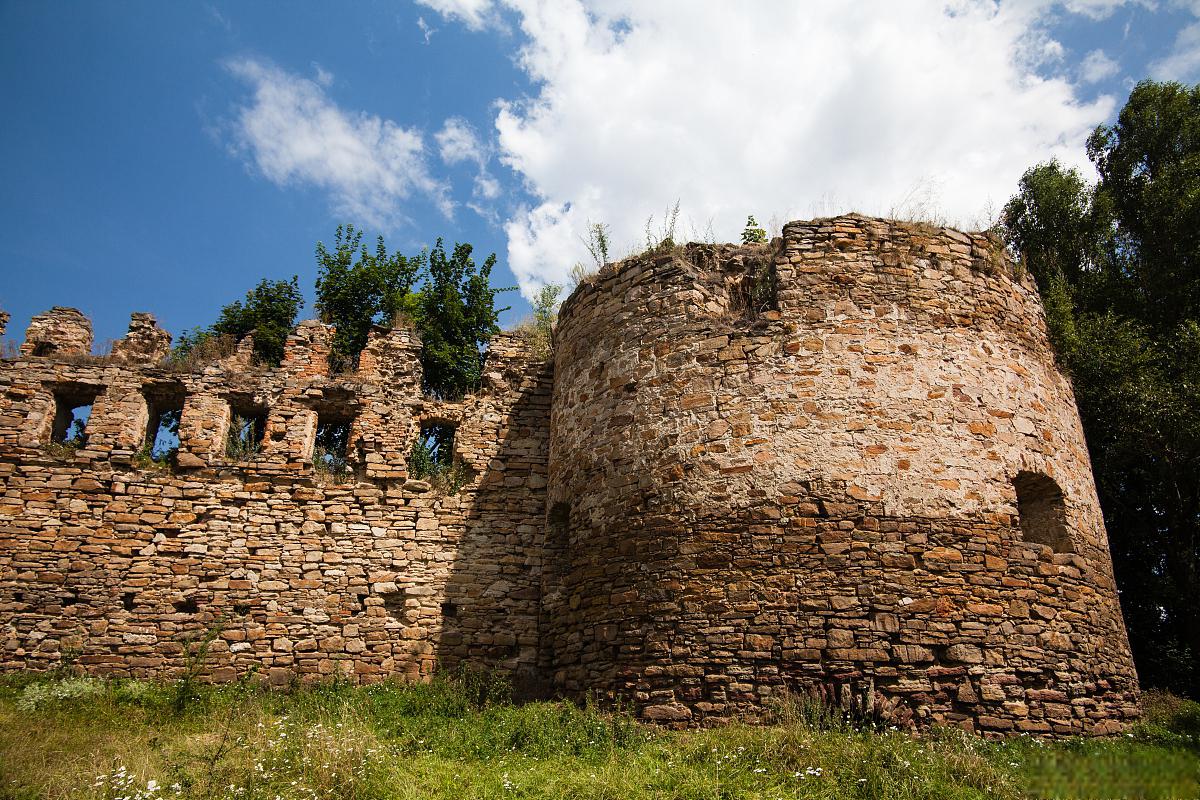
(843, 463)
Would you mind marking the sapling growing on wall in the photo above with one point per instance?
(753, 233)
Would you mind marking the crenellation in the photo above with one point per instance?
(144, 342)
(61, 331)
(841, 462)
(306, 351)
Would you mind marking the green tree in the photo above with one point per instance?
(1118, 266)
(456, 315)
(357, 288)
(446, 297)
(268, 311)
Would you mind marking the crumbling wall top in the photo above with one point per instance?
(145, 341)
(61, 331)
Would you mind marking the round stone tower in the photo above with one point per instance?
(844, 463)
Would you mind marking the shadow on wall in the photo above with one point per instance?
(491, 600)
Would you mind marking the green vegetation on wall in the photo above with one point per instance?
(269, 311)
(448, 298)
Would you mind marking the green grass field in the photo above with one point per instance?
(84, 738)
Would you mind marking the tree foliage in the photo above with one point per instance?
(358, 288)
(456, 315)
(448, 298)
(1118, 266)
(268, 311)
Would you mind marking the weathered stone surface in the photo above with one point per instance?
(837, 473)
(145, 340)
(61, 331)
(735, 496)
(308, 576)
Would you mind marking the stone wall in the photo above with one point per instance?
(844, 462)
(113, 561)
(822, 494)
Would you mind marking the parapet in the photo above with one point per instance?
(144, 342)
(111, 407)
(61, 331)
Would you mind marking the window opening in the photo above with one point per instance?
(433, 457)
(1042, 511)
(72, 410)
(247, 428)
(165, 404)
(330, 450)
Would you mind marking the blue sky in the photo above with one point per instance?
(164, 157)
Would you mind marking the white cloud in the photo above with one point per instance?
(1096, 66)
(458, 142)
(293, 133)
(475, 14)
(772, 108)
(1183, 62)
(426, 31)
(1098, 9)
(323, 76)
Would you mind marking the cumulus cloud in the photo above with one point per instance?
(1096, 66)
(773, 110)
(458, 142)
(293, 133)
(1183, 62)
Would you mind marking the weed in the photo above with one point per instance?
(185, 691)
(63, 451)
(200, 352)
(331, 465)
(662, 239)
(145, 458)
(581, 275)
(244, 440)
(538, 332)
(597, 243)
(45, 694)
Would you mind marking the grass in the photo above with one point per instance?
(65, 737)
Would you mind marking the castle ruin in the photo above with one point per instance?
(841, 462)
